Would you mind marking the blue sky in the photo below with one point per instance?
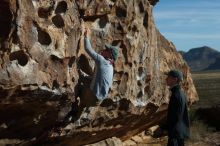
(189, 23)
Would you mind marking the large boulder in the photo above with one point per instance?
(41, 54)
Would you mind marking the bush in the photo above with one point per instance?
(198, 129)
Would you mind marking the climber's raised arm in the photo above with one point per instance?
(88, 46)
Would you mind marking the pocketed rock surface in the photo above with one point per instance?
(42, 52)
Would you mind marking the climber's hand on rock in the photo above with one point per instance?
(87, 32)
(82, 26)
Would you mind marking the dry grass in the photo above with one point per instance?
(208, 88)
(199, 131)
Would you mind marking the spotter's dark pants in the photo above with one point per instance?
(175, 142)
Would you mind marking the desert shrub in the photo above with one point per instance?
(198, 129)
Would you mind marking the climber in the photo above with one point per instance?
(177, 123)
(103, 75)
(99, 83)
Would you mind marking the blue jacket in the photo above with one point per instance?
(103, 76)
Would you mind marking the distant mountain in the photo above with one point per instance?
(202, 58)
(214, 66)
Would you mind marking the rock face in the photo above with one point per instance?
(42, 50)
